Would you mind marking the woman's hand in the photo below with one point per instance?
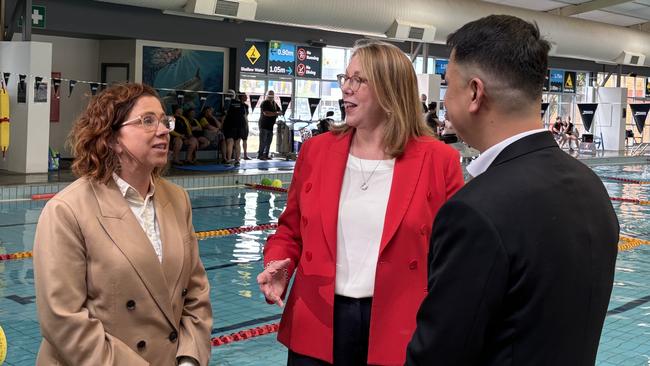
(273, 280)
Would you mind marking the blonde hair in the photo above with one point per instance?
(391, 76)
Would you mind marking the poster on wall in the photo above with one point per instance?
(556, 81)
(184, 69)
(55, 101)
(569, 81)
(282, 57)
(253, 57)
(308, 62)
(547, 77)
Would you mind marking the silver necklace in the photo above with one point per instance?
(364, 183)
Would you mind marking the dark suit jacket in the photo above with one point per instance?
(521, 264)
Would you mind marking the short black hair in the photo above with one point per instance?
(432, 106)
(508, 48)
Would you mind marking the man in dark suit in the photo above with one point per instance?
(521, 262)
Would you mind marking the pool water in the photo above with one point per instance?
(233, 262)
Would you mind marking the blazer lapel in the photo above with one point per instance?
(332, 168)
(171, 237)
(405, 179)
(122, 227)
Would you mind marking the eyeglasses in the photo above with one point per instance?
(354, 81)
(150, 122)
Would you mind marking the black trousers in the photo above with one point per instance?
(351, 333)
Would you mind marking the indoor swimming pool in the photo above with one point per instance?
(233, 262)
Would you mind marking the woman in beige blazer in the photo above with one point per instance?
(118, 276)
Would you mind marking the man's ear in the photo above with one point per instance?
(477, 88)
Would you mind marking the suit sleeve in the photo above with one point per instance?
(196, 320)
(468, 272)
(453, 174)
(287, 240)
(61, 294)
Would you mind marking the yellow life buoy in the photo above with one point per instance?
(4, 119)
(3, 346)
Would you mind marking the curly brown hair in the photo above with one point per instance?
(95, 131)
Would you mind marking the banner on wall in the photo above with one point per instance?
(71, 85)
(556, 81)
(640, 113)
(282, 58)
(545, 87)
(569, 81)
(587, 112)
(313, 105)
(284, 103)
(254, 57)
(21, 94)
(55, 100)
(93, 88)
(544, 108)
(254, 99)
(40, 90)
(308, 62)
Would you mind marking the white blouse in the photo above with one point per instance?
(360, 224)
(144, 212)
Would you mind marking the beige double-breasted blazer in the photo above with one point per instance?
(103, 297)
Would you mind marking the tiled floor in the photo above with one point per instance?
(232, 263)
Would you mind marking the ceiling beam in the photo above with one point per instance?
(586, 7)
(644, 27)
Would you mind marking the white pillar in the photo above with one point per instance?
(429, 84)
(609, 121)
(30, 122)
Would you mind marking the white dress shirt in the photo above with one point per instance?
(480, 165)
(144, 211)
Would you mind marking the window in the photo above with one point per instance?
(330, 95)
(306, 89)
(334, 62)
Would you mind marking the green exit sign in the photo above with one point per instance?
(38, 17)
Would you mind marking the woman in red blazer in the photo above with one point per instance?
(356, 228)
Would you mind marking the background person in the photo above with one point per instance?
(244, 137)
(234, 126)
(356, 227)
(181, 136)
(270, 112)
(212, 130)
(117, 270)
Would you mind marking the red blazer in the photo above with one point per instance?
(425, 176)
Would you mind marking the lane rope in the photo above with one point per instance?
(245, 334)
(261, 187)
(630, 200)
(200, 235)
(627, 180)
